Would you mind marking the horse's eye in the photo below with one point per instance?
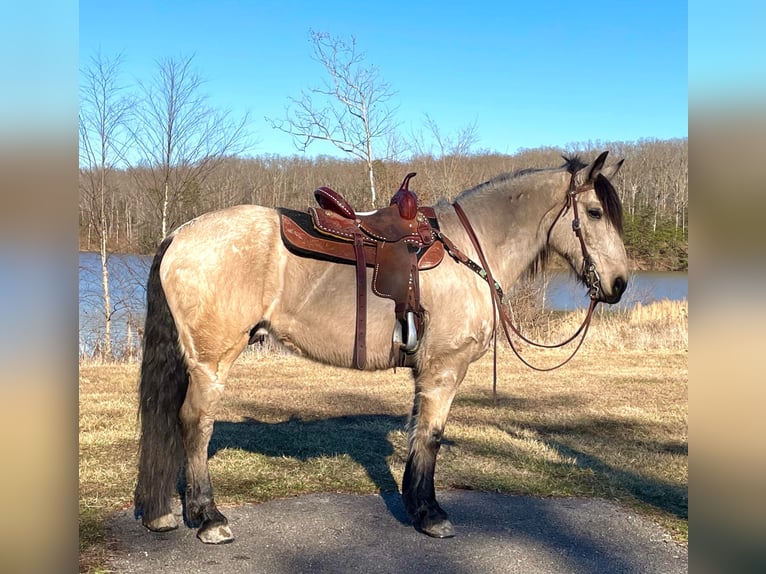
(595, 213)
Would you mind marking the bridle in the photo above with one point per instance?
(589, 275)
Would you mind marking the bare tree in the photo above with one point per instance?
(180, 140)
(450, 153)
(104, 109)
(349, 110)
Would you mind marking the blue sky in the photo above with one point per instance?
(529, 74)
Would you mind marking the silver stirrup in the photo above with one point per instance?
(412, 335)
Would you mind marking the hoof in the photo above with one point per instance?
(215, 533)
(440, 529)
(162, 524)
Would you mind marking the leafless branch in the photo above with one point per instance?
(179, 139)
(349, 110)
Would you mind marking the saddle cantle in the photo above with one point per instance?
(333, 201)
(397, 241)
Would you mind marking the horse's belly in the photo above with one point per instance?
(317, 311)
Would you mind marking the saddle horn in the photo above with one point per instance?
(405, 199)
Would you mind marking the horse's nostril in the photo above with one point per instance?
(619, 286)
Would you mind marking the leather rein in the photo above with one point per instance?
(589, 275)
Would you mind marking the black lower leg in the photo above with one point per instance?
(199, 505)
(202, 513)
(418, 491)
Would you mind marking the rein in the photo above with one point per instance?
(589, 275)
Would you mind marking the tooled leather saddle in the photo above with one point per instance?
(397, 241)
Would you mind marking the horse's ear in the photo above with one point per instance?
(611, 171)
(595, 168)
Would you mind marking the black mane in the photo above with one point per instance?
(573, 164)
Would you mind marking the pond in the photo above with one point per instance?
(564, 293)
(127, 282)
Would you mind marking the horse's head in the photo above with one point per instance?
(588, 231)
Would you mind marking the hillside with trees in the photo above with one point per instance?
(652, 184)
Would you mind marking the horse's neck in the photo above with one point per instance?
(511, 222)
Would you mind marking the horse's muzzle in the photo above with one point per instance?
(618, 288)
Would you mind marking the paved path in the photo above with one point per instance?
(341, 533)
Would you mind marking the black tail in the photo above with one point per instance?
(164, 381)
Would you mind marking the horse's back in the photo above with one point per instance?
(233, 223)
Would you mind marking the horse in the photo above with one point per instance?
(217, 280)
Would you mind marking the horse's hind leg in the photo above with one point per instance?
(433, 398)
(206, 386)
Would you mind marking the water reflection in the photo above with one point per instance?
(127, 286)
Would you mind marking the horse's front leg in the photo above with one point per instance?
(197, 418)
(433, 398)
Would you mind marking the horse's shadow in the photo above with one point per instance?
(364, 438)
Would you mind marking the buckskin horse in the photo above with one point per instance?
(219, 279)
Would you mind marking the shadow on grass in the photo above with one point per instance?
(669, 497)
(625, 436)
(518, 403)
(364, 438)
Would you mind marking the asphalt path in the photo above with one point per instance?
(344, 533)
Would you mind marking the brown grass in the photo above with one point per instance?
(611, 424)
(662, 326)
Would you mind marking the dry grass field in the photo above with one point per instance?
(612, 423)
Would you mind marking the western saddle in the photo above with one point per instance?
(397, 241)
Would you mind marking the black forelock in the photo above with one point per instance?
(609, 199)
(573, 164)
(605, 191)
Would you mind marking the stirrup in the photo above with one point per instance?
(412, 333)
(411, 343)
